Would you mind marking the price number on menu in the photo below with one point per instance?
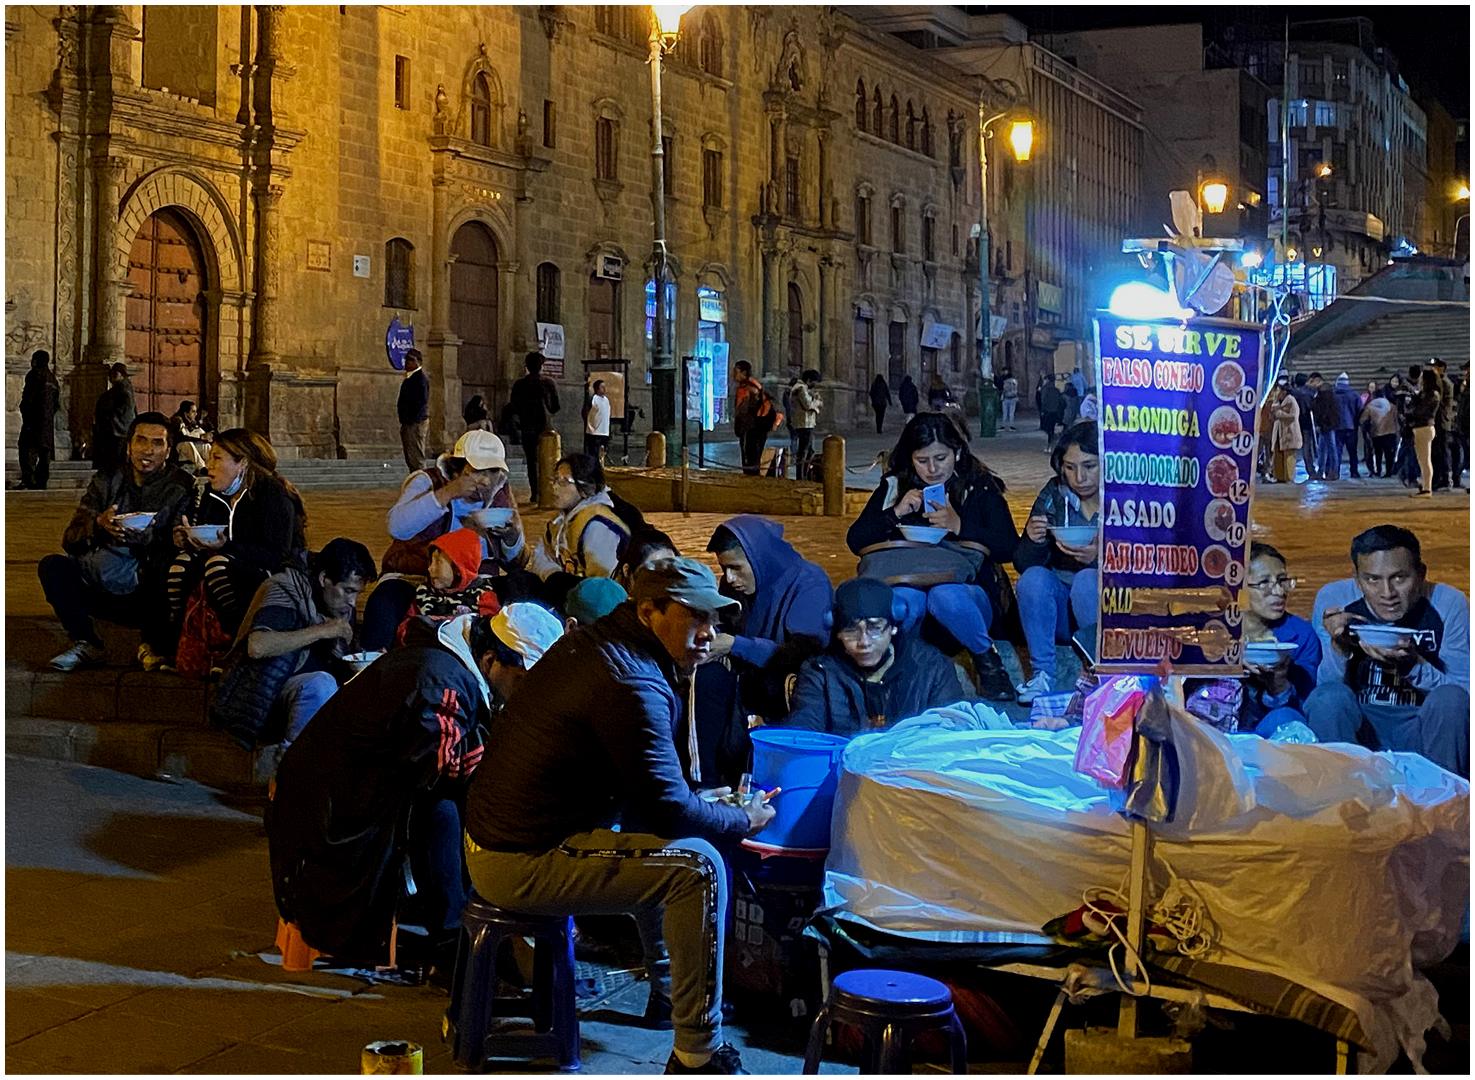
(1239, 492)
(1235, 653)
(1235, 534)
(1234, 573)
(1244, 442)
(1232, 614)
(1245, 398)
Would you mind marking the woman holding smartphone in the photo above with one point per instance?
(934, 479)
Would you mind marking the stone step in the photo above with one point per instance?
(303, 473)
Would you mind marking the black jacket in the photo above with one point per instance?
(38, 403)
(1325, 411)
(266, 530)
(414, 398)
(165, 491)
(880, 394)
(533, 399)
(336, 827)
(588, 737)
(833, 695)
(908, 395)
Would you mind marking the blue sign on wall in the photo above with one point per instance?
(398, 341)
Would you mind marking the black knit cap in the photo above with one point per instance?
(861, 598)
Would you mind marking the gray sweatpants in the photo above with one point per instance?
(610, 873)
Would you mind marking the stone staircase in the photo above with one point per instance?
(305, 473)
(1390, 344)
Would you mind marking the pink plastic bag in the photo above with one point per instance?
(1106, 730)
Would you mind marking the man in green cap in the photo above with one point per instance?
(571, 756)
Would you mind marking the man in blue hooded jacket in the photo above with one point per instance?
(1349, 404)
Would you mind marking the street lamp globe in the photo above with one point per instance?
(1021, 138)
(1215, 194)
(668, 18)
(1323, 170)
(1462, 193)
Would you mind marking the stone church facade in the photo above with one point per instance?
(236, 201)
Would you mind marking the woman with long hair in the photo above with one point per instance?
(475, 415)
(263, 520)
(1421, 414)
(933, 454)
(1285, 436)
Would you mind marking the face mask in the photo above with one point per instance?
(235, 485)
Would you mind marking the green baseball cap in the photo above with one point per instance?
(684, 580)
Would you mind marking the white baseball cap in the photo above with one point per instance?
(482, 450)
(527, 629)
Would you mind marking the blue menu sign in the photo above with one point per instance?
(1179, 407)
(398, 341)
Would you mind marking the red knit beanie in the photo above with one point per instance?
(463, 548)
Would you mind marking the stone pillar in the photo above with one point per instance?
(442, 348)
(267, 274)
(769, 284)
(825, 217)
(827, 365)
(550, 449)
(109, 292)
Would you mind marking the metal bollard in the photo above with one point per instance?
(550, 449)
(834, 465)
(655, 450)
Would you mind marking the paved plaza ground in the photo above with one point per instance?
(135, 908)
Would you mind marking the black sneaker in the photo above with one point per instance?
(724, 1062)
(993, 681)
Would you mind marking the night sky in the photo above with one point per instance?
(1432, 43)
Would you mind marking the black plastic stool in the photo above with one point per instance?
(473, 989)
(890, 1009)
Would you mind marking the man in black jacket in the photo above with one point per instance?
(38, 403)
(533, 400)
(414, 411)
(111, 419)
(114, 566)
(586, 741)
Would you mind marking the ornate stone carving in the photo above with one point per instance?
(441, 122)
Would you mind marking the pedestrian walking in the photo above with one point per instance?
(414, 411)
(111, 419)
(38, 403)
(880, 400)
(532, 401)
(596, 422)
(910, 397)
(1052, 409)
(1326, 414)
(1444, 427)
(1348, 407)
(1010, 397)
(753, 416)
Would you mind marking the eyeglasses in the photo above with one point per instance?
(865, 628)
(1283, 584)
(563, 481)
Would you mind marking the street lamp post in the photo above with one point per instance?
(1021, 141)
(665, 25)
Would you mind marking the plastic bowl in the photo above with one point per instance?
(1074, 535)
(1267, 652)
(493, 517)
(923, 534)
(360, 660)
(137, 521)
(1383, 635)
(208, 534)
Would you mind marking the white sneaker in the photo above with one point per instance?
(1040, 684)
(81, 654)
(150, 660)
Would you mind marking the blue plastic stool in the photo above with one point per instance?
(473, 990)
(890, 1009)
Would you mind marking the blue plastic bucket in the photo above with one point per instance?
(806, 764)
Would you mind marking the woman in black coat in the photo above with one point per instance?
(880, 399)
(932, 453)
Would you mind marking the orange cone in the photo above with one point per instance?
(297, 955)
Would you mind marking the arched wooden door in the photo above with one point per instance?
(165, 319)
(474, 310)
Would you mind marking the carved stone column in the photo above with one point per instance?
(827, 365)
(268, 274)
(107, 303)
(442, 348)
(770, 276)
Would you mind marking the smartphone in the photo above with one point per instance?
(934, 497)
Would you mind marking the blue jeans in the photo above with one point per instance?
(1439, 729)
(1272, 720)
(1328, 455)
(962, 610)
(1049, 607)
(302, 696)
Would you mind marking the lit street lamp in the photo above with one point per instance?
(1461, 195)
(1021, 142)
(665, 25)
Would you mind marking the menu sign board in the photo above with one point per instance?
(1178, 414)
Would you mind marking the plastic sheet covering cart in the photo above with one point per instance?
(1336, 869)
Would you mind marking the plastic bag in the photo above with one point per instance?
(1106, 729)
(1294, 732)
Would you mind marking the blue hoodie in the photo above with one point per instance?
(1349, 404)
(793, 594)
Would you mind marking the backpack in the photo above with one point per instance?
(203, 642)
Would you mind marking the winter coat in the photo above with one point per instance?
(587, 738)
(265, 528)
(584, 540)
(1285, 429)
(412, 720)
(793, 595)
(413, 405)
(1423, 410)
(38, 403)
(1325, 411)
(1058, 505)
(532, 400)
(834, 696)
(805, 404)
(166, 492)
(1380, 416)
(1349, 404)
(909, 395)
(417, 518)
(1304, 396)
(1446, 417)
(880, 394)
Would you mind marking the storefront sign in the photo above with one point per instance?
(398, 341)
(550, 344)
(937, 336)
(711, 305)
(1178, 436)
(1048, 298)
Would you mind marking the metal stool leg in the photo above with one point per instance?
(958, 1044)
(565, 1015)
(893, 1057)
(817, 1033)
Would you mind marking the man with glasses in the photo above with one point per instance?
(1386, 690)
(872, 675)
